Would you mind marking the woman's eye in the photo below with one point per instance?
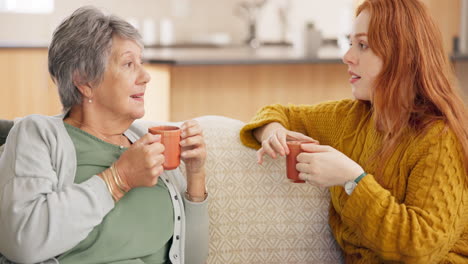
(129, 64)
(363, 46)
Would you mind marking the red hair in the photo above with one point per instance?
(416, 86)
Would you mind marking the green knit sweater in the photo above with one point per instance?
(417, 210)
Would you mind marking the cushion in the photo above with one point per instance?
(5, 126)
(256, 214)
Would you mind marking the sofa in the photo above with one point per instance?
(256, 214)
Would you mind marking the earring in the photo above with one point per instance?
(90, 101)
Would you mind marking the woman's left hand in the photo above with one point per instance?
(193, 149)
(325, 166)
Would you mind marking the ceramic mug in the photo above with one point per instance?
(170, 138)
(291, 161)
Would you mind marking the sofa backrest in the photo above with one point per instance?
(256, 214)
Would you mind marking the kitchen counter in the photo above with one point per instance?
(459, 57)
(237, 55)
(233, 55)
(198, 54)
(23, 45)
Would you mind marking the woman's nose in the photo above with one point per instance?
(144, 76)
(349, 57)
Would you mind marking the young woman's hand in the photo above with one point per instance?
(325, 166)
(274, 140)
(142, 164)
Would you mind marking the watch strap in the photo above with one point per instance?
(359, 178)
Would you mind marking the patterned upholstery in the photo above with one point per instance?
(256, 215)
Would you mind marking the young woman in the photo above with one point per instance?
(396, 157)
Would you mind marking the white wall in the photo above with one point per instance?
(193, 18)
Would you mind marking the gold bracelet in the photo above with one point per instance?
(117, 179)
(195, 199)
(106, 181)
(109, 185)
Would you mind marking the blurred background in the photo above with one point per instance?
(217, 57)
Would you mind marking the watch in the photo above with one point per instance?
(349, 186)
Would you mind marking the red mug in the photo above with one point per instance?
(170, 138)
(291, 161)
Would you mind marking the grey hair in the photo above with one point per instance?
(80, 50)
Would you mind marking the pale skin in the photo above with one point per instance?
(116, 102)
(318, 164)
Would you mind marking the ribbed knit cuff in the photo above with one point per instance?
(362, 201)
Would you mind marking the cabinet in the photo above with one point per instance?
(179, 92)
(26, 86)
(238, 91)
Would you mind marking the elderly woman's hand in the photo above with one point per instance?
(142, 163)
(325, 166)
(193, 147)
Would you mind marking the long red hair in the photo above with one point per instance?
(417, 85)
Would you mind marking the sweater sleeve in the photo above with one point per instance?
(40, 216)
(323, 122)
(425, 226)
(197, 231)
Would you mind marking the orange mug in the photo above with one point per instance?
(291, 161)
(170, 138)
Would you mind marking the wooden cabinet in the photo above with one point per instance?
(178, 93)
(238, 91)
(26, 86)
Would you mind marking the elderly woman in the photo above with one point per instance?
(88, 186)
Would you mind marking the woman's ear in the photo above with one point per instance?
(83, 86)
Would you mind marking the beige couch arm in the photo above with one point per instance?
(256, 215)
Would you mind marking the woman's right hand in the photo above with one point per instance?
(274, 140)
(142, 163)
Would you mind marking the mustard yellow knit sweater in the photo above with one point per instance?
(418, 213)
